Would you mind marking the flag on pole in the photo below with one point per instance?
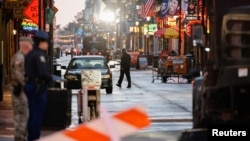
(146, 6)
(151, 11)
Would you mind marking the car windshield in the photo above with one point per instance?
(87, 63)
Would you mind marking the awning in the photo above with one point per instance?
(171, 33)
(160, 33)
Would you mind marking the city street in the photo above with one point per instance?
(189, 62)
(169, 105)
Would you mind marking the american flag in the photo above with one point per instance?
(146, 6)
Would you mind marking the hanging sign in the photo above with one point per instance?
(31, 11)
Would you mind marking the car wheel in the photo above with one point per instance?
(109, 90)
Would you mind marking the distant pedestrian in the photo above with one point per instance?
(125, 68)
(19, 99)
(38, 77)
(61, 51)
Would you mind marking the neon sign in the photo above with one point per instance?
(28, 25)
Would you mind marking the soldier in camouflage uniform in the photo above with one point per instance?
(19, 99)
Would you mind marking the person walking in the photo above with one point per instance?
(38, 77)
(125, 69)
(19, 99)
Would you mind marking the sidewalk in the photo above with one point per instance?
(6, 118)
(6, 115)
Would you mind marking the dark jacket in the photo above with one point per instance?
(37, 66)
(125, 61)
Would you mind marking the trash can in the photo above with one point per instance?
(191, 62)
(192, 70)
(58, 109)
(1, 82)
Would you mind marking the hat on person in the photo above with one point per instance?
(26, 39)
(41, 35)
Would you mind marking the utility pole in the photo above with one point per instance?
(40, 15)
(49, 6)
(179, 41)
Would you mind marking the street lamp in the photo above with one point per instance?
(138, 40)
(137, 23)
(107, 15)
(148, 18)
(147, 50)
(179, 42)
(133, 39)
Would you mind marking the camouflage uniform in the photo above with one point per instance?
(19, 99)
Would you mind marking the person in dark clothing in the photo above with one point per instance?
(125, 68)
(38, 77)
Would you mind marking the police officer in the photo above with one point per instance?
(37, 79)
(19, 99)
(125, 68)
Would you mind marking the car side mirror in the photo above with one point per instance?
(63, 67)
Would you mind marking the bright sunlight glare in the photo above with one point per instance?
(107, 16)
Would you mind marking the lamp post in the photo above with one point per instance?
(133, 39)
(108, 40)
(179, 43)
(138, 40)
(147, 49)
